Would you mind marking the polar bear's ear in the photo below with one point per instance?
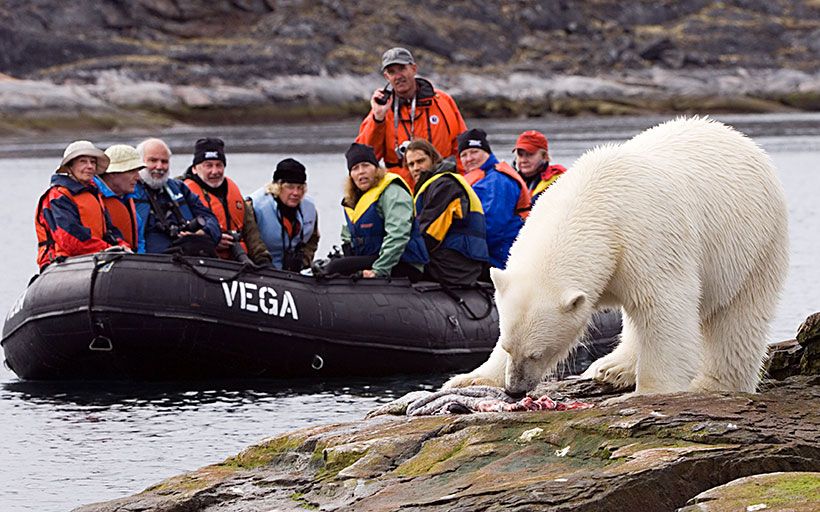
(499, 278)
(571, 300)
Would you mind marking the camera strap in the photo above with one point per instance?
(174, 205)
(396, 120)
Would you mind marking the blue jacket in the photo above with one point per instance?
(270, 226)
(367, 229)
(152, 237)
(439, 203)
(499, 196)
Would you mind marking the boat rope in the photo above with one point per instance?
(181, 260)
(488, 298)
(100, 260)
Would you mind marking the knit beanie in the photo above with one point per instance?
(358, 153)
(290, 171)
(209, 149)
(474, 138)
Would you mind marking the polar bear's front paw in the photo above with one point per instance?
(613, 371)
(470, 379)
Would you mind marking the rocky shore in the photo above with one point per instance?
(122, 65)
(656, 453)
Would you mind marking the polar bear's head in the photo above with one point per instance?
(538, 326)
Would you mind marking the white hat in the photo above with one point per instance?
(123, 158)
(85, 148)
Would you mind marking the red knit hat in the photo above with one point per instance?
(531, 141)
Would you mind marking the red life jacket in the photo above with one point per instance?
(92, 216)
(231, 220)
(524, 203)
(123, 217)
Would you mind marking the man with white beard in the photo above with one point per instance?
(169, 215)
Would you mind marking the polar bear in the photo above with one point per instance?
(684, 227)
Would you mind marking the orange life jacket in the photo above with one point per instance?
(92, 216)
(524, 203)
(231, 220)
(124, 218)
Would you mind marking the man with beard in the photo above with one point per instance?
(409, 108)
(168, 213)
(206, 178)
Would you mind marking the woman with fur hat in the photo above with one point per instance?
(381, 230)
(71, 219)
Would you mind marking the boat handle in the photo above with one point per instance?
(101, 343)
(317, 362)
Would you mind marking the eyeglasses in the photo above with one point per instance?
(293, 186)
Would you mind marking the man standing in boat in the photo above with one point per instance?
(170, 216)
(287, 219)
(70, 218)
(116, 185)
(206, 178)
(409, 108)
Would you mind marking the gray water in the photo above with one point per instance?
(65, 445)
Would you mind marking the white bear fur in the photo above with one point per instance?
(684, 227)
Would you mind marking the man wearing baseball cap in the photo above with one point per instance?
(408, 108)
(533, 162)
(116, 185)
(70, 218)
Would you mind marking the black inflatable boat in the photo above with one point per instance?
(161, 317)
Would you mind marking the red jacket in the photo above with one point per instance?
(230, 214)
(437, 119)
(71, 220)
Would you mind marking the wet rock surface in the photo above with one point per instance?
(258, 60)
(648, 453)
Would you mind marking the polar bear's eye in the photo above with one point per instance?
(534, 356)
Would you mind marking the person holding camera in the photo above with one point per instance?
(170, 218)
(381, 236)
(206, 178)
(288, 220)
(409, 108)
(71, 219)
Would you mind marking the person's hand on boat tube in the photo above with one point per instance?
(368, 273)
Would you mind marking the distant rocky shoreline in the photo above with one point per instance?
(116, 102)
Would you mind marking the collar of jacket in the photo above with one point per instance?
(73, 186)
(424, 92)
(490, 164)
(106, 191)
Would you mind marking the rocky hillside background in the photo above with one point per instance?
(297, 58)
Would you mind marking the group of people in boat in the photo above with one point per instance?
(442, 208)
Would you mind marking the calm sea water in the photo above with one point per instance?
(65, 445)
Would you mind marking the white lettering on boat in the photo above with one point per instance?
(254, 298)
(17, 306)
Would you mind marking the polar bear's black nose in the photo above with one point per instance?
(516, 394)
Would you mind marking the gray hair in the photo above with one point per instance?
(141, 146)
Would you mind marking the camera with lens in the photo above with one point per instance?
(238, 253)
(191, 226)
(293, 259)
(401, 149)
